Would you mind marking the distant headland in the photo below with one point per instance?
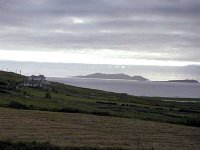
(184, 81)
(127, 77)
(114, 76)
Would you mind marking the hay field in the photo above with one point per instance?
(66, 129)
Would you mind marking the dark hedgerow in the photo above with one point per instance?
(70, 110)
(106, 103)
(18, 105)
(27, 146)
(192, 122)
(4, 145)
(99, 113)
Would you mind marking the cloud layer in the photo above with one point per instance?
(141, 29)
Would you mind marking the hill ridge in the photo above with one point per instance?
(114, 76)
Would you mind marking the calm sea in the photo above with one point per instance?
(138, 88)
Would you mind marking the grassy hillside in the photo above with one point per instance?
(64, 98)
(82, 130)
(9, 80)
(10, 77)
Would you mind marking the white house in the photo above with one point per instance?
(35, 81)
(40, 78)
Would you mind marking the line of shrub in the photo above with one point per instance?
(189, 121)
(6, 145)
(17, 105)
(106, 103)
(71, 110)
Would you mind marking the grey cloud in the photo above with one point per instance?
(162, 26)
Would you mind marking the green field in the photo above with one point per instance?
(65, 115)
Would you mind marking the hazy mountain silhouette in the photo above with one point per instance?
(155, 73)
(114, 76)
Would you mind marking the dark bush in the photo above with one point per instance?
(5, 92)
(3, 83)
(99, 113)
(31, 107)
(106, 103)
(48, 95)
(70, 110)
(25, 93)
(192, 122)
(18, 105)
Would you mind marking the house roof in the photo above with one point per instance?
(40, 76)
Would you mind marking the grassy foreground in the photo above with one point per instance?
(82, 130)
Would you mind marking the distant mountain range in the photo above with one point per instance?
(114, 76)
(127, 77)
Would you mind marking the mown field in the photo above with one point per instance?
(79, 130)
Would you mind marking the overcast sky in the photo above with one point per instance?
(135, 32)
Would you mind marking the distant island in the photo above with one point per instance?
(113, 76)
(127, 77)
(184, 81)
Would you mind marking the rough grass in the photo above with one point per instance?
(11, 76)
(81, 130)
